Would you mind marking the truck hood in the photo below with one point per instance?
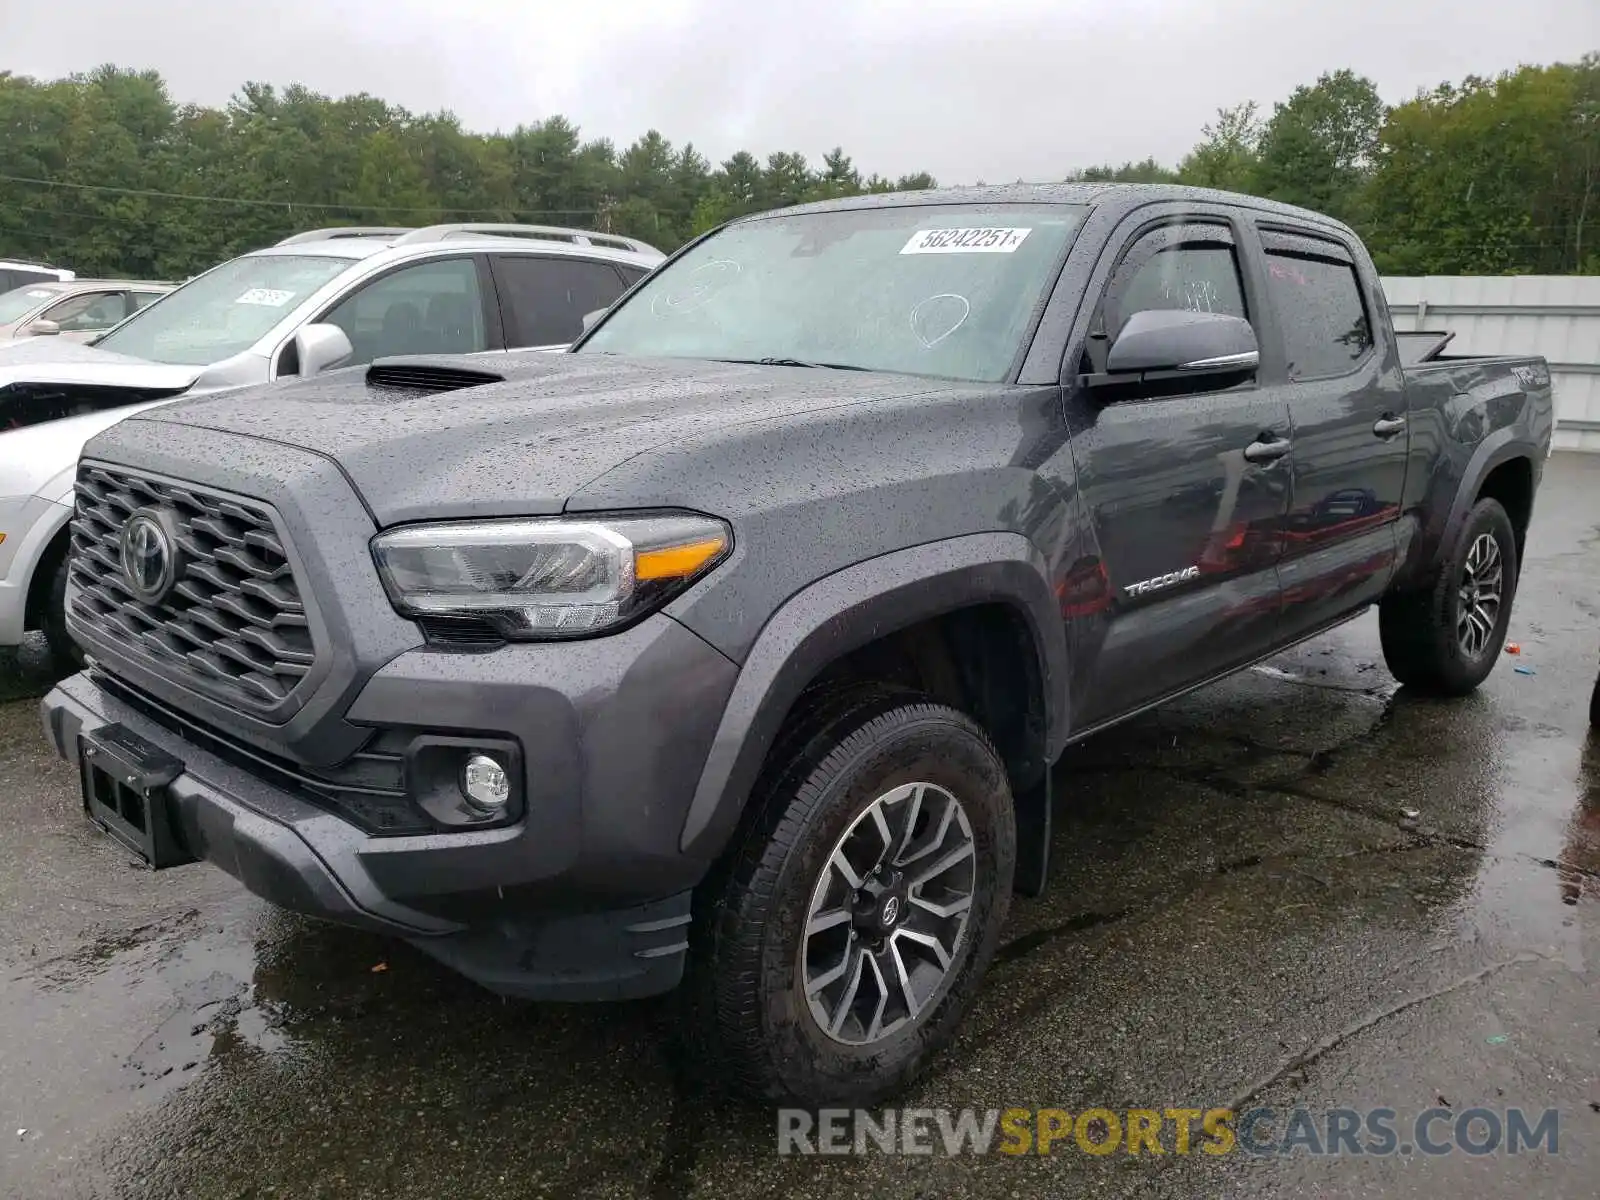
(525, 445)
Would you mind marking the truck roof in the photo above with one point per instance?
(1119, 195)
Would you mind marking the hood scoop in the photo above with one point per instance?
(426, 376)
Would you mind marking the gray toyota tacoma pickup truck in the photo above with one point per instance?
(734, 647)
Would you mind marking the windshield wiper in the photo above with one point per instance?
(795, 362)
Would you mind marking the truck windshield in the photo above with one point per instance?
(223, 312)
(943, 290)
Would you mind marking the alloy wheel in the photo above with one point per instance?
(888, 915)
(1479, 596)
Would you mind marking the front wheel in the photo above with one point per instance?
(861, 905)
(1446, 638)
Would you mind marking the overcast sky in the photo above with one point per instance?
(967, 89)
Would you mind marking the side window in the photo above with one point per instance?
(435, 307)
(543, 300)
(89, 312)
(140, 299)
(1326, 330)
(1192, 267)
(15, 277)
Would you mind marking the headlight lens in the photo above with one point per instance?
(549, 578)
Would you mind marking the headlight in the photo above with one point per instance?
(550, 578)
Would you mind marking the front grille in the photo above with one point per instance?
(233, 622)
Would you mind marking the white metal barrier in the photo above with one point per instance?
(1557, 316)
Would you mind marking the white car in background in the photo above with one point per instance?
(79, 311)
(323, 299)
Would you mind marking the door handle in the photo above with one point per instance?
(1387, 427)
(1265, 450)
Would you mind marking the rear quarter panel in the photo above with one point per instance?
(1466, 418)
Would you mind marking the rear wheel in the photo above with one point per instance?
(861, 906)
(1446, 638)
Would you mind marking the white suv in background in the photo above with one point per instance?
(20, 274)
(323, 299)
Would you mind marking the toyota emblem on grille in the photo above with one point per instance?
(149, 557)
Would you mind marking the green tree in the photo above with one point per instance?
(786, 180)
(1491, 176)
(104, 173)
(1148, 171)
(1228, 152)
(1318, 147)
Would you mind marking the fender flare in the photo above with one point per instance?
(1500, 447)
(847, 610)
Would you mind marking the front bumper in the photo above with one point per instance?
(587, 897)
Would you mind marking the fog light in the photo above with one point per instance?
(485, 784)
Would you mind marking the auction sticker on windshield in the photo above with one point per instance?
(965, 241)
(271, 297)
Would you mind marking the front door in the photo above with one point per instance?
(1347, 407)
(1185, 493)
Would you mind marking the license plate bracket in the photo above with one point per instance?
(126, 783)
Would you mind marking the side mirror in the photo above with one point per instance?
(44, 328)
(319, 348)
(1199, 344)
(589, 318)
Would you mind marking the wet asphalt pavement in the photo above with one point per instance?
(1241, 915)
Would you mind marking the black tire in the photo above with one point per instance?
(1594, 705)
(1419, 629)
(749, 1017)
(65, 656)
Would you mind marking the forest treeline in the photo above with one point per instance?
(103, 172)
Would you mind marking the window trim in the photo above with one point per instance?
(1297, 242)
(1180, 241)
(508, 322)
(1240, 237)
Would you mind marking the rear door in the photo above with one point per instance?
(1347, 409)
(1185, 523)
(543, 299)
